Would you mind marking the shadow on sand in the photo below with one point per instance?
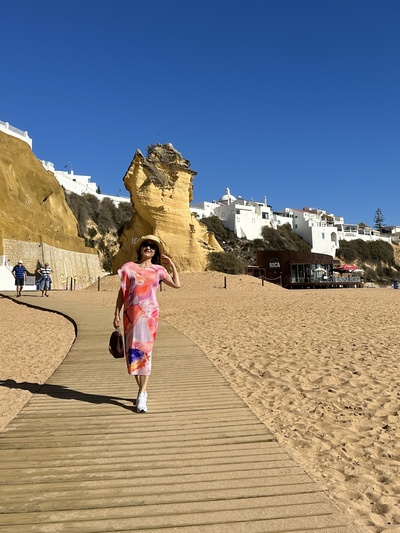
(64, 393)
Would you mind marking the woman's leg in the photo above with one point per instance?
(142, 383)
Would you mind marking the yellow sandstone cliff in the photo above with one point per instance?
(32, 202)
(161, 189)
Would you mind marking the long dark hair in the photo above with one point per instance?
(156, 259)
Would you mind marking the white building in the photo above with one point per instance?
(80, 184)
(350, 232)
(394, 232)
(72, 182)
(314, 226)
(204, 209)
(245, 218)
(284, 217)
(322, 230)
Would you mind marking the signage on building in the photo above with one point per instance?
(274, 263)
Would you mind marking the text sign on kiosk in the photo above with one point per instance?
(274, 263)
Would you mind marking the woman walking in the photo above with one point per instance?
(139, 284)
(45, 279)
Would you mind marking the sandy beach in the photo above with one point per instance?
(33, 344)
(320, 368)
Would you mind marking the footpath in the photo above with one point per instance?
(79, 459)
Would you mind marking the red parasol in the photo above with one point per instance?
(346, 268)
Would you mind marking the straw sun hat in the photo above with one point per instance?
(137, 244)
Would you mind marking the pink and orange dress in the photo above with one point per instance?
(141, 311)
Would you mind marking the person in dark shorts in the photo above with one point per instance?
(19, 273)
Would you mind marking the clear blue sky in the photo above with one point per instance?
(295, 100)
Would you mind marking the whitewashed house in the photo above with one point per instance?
(204, 209)
(80, 184)
(350, 232)
(322, 230)
(245, 218)
(314, 226)
(284, 217)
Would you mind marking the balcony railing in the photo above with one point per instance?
(15, 132)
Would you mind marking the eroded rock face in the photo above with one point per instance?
(161, 188)
(32, 202)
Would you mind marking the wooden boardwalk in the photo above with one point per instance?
(79, 459)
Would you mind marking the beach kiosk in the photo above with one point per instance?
(299, 270)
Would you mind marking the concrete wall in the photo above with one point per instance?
(84, 268)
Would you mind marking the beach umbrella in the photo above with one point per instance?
(320, 269)
(346, 268)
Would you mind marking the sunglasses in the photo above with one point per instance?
(150, 245)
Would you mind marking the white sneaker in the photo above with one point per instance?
(141, 403)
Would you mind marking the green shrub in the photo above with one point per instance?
(105, 214)
(215, 225)
(347, 251)
(381, 251)
(366, 252)
(92, 233)
(226, 262)
(283, 238)
(123, 215)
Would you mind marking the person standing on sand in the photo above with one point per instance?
(19, 273)
(45, 280)
(139, 284)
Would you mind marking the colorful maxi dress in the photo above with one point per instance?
(139, 287)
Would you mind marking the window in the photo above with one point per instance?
(265, 216)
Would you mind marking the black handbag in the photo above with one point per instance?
(116, 345)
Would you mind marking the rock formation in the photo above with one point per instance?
(161, 188)
(32, 202)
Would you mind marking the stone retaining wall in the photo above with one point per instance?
(83, 268)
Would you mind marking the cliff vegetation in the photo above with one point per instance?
(379, 260)
(100, 223)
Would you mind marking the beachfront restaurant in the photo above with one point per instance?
(301, 270)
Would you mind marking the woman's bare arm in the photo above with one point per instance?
(118, 307)
(171, 280)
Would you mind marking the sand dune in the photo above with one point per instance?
(321, 368)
